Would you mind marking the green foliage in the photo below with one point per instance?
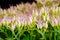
(24, 32)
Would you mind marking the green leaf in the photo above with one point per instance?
(1, 39)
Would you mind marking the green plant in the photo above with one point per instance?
(30, 30)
